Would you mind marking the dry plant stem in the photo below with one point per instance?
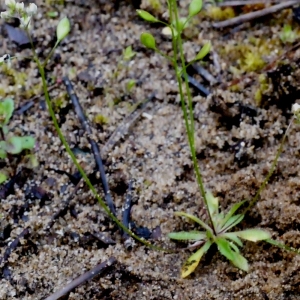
(83, 278)
(247, 2)
(198, 86)
(22, 109)
(204, 73)
(13, 245)
(271, 171)
(188, 118)
(127, 207)
(255, 14)
(95, 148)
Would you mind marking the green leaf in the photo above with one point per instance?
(27, 142)
(233, 237)
(3, 152)
(233, 221)
(193, 218)
(204, 51)
(128, 53)
(195, 7)
(188, 235)
(212, 203)
(52, 14)
(5, 130)
(3, 177)
(193, 261)
(130, 85)
(148, 40)
(253, 235)
(63, 28)
(6, 111)
(234, 247)
(14, 145)
(231, 212)
(182, 24)
(240, 262)
(225, 248)
(146, 16)
(282, 246)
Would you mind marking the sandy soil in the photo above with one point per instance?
(237, 138)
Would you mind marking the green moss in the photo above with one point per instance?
(155, 5)
(263, 87)
(100, 119)
(219, 13)
(248, 55)
(17, 78)
(33, 91)
(59, 102)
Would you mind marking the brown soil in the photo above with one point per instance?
(237, 139)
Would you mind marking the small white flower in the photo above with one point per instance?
(20, 7)
(5, 15)
(10, 3)
(31, 9)
(25, 20)
(296, 109)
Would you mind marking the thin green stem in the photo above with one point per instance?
(164, 55)
(73, 158)
(271, 171)
(187, 113)
(50, 54)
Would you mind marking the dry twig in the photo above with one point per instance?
(256, 14)
(83, 278)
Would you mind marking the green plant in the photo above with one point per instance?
(9, 143)
(217, 233)
(216, 229)
(288, 35)
(25, 14)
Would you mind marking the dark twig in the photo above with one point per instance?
(205, 74)
(83, 278)
(22, 109)
(256, 14)
(126, 215)
(199, 87)
(95, 148)
(247, 2)
(13, 245)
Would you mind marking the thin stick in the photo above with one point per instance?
(14, 244)
(29, 104)
(249, 2)
(256, 14)
(95, 148)
(126, 215)
(83, 278)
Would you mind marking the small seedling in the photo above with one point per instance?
(288, 35)
(10, 144)
(218, 233)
